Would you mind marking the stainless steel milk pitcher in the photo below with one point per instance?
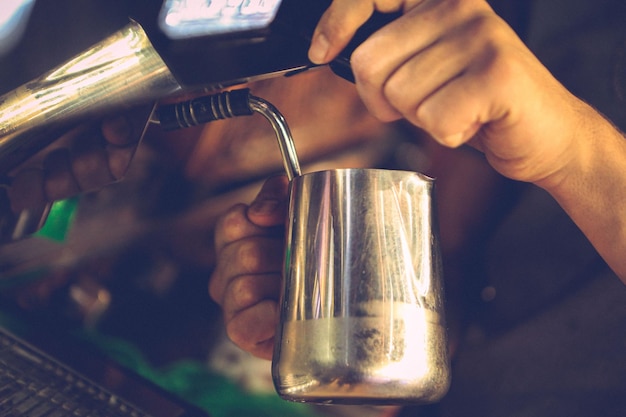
(361, 307)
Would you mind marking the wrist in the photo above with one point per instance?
(591, 188)
(585, 139)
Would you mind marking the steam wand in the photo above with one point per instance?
(227, 105)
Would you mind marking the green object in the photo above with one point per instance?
(59, 220)
(194, 382)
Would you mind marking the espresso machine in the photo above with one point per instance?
(151, 50)
(167, 50)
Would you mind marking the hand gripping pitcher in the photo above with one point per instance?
(361, 306)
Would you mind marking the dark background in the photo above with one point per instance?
(541, 319)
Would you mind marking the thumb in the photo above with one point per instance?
(336, 27)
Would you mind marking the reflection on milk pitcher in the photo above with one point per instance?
(362, 304)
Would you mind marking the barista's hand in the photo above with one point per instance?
(92, 157)
(455, 69)
(249, 241)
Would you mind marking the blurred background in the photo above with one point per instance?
(536, 318)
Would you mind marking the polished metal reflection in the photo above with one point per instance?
(283, 134)
(362, 309)
(122, 70)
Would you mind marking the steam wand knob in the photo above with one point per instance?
(205, 109)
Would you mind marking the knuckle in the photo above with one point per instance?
(250, 255)
(229, 226)
(244, 292)
(118, 130)
(395, 93)
(364, 67)
(483, 25)
(438, 130)
(422, 118)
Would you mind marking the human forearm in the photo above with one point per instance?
(591, 188)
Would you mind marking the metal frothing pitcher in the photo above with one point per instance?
(362, 300)
(361, 307)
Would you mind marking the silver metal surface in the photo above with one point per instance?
(121, 71)
(281, 128)
(362, 309)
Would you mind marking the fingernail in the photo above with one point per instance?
(319, 49)
(264, 206)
